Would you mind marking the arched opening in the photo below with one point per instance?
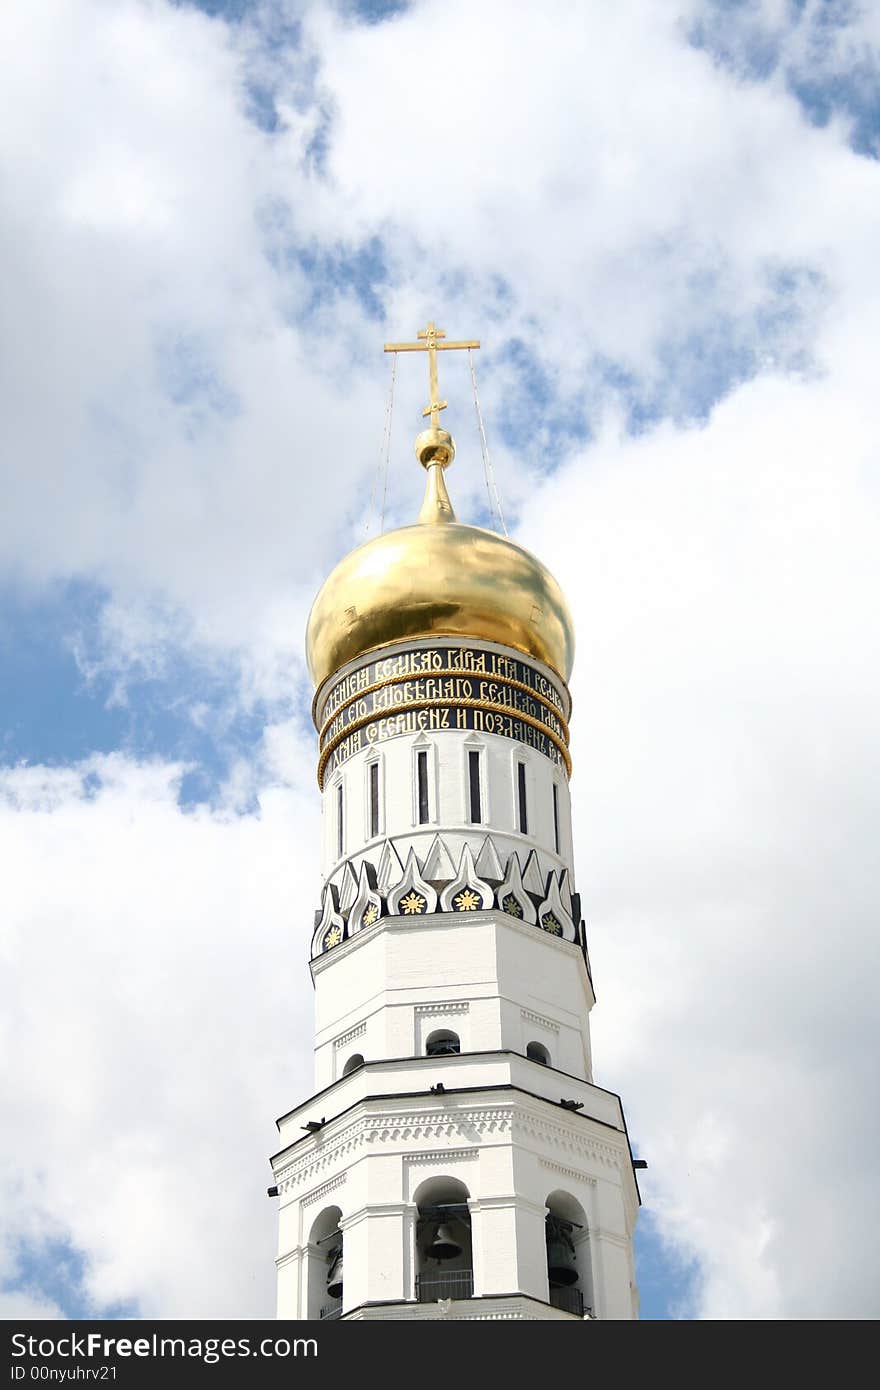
(442, 1043)
(325, 1265)
(352, 1064)
(537, 1052)
(444, 1258)
(569, 1267)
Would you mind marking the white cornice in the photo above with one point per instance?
(567, 1172)
(356, 1032)
(318, 1192)
(427, 921)
(543, 1022)
(458, 1006)
(442, 1156)
(522, 1117)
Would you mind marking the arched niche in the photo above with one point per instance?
(444, 1251)
(325, 1265)
(442, 1043)
(354, 1062)
(537, 1052)
(569, 1261)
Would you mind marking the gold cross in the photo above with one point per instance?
(431, 345)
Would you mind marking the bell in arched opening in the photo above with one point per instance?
(561, 1262)
(334, 1271)
(444, 1253)
(444, 1246)
(443, 1043)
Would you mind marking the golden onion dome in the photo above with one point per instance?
(438, 578)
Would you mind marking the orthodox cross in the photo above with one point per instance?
(429, 342)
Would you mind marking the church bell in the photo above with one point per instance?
(334, 1272)
(444, 1245)
(561, 1263)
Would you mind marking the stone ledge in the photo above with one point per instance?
(502, 1308)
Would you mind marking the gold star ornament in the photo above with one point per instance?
(413, 904)
(466, 901)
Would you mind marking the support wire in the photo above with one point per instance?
(491, 486)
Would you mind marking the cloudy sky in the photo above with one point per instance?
(662, 221)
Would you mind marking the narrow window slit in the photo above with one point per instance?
(476, 806)
(374, 799)
(422, 785)
(523, 808)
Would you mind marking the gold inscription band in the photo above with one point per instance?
(452, 703)
(458, 674)
(464, 661)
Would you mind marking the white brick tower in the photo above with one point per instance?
(456, 1159)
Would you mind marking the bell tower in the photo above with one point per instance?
(456, 1159)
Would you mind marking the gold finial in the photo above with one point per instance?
(437, 506)
(433, 445)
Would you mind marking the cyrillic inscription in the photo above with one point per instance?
(424, 661)
(437, 688)
(428, 720)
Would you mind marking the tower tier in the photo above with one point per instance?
(453, 1070)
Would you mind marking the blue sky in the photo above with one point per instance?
(222, 211)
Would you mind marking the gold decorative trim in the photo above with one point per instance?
(445, 671)
(453, 702)
(425, 643)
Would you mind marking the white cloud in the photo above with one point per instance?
(725, 749)
(20, 1307)
(200, 399)
(167, 424)
(158, 1016)
(625, 186)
